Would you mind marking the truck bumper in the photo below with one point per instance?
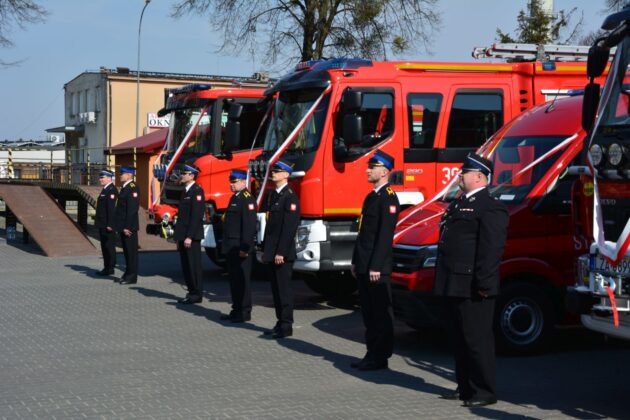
(604, 324)
(579, 300)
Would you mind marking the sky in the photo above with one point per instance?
(81, 35)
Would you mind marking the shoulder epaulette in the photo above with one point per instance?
(290, 190)
(390, 191)
(246, 194)
(132, 185)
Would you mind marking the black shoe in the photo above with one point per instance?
(189, 301)
(479, 402)
(226, 317)
(128, 281)
(452, 395)
(272, 331)
(104, 272)
(373, 365)
(282, 333)
(238, 319)
(361, 362)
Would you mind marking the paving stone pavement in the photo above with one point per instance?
(73, 345)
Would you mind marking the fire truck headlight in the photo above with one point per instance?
(597, 154)
(166, 217)
(615, 154)
(301, 238)
(430, 256)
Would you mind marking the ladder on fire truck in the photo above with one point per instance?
(515, 52)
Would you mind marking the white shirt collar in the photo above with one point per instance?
(107, 185)
(377, 189)
(189, 185)
(473, 192)
(125, 184)
(281, 188)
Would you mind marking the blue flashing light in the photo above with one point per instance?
(548, 66)
(333, 64)
(575, 92)
(195, 87)
(306, 65)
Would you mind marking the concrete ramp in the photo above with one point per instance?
(49, 226)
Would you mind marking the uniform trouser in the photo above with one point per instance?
(239, 271)
(473, 341)
(378, 316)
(108, 248)
(191, 266)
(130, 250)
(280, 275)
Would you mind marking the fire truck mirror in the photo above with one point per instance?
(589, 106)
(352, 100)
(233, 127)
(235, 111)
(597, 60)
(352, 129)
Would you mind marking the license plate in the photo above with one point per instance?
(623, 268)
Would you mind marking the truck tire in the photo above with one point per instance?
(331, 285)
(523, 320)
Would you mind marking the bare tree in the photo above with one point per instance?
(313, 29)
(17, 13)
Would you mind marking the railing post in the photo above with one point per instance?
(88, 167)
(10, 164)
(69, 165)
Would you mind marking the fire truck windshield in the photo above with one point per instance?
(183, 121)
(614, 106)
(291, 109)
(513, 178)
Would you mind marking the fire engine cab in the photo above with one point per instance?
(196, 135)
(602, 292)
(328, 117)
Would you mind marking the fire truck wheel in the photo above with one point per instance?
(332, 285)
(216, 257)
(523, 320)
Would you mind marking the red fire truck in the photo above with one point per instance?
(328, 117)
(602, 292)
(532, 157)
(198, 115)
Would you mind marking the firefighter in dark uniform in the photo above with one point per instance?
(239, 230)
(472, 238)
(372, 263)
(189, 233)
(283, 217)
(126, 220)
(104, 221)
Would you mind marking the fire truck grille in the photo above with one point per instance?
(406, 258)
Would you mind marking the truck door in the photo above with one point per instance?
(420, 155)
(378, 123)
(237, 158)
(475, 114)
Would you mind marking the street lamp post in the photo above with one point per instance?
(146, 3)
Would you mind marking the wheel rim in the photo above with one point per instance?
(522, 321)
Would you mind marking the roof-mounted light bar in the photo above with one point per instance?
(195, 87)
(333, 64)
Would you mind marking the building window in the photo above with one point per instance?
(97, 99)
(74, 104)
(90, 100)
